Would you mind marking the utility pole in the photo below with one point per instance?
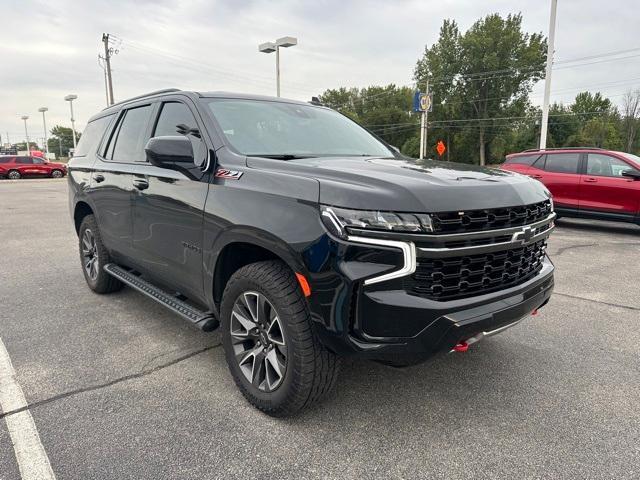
(104, 71)
(547, 79)
(423, 128)
(107, 60)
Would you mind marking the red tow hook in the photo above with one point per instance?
(535, 312)
(461, 347)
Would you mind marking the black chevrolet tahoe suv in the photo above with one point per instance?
(302, 236)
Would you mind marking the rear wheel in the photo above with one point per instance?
(57, 174)
(94, 256)
(273, 354)
(14, 175)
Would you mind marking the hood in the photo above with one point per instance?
(409, 185)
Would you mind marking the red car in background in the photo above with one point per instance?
(585, 182)
(15, 167)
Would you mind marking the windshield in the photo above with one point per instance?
(287, 130)
(634, 158)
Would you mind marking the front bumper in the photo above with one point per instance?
(439, 326)
(383, 319)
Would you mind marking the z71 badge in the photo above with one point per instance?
(230, 174)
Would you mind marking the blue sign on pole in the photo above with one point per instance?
(416, 101)
(422, 102)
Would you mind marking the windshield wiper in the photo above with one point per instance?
(279, 156)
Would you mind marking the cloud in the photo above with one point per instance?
(207, 45)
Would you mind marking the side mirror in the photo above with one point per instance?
(173, 152)
(635, 174)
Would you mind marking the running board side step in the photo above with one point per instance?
(203, 320)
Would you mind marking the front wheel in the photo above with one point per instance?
(274, 355)
(57, 174)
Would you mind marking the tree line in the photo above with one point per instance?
(481, 81)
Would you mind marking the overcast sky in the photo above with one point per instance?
(49, 48)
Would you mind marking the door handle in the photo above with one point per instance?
(590, 180)
(537, 177)
(98, 177)
(140, 183)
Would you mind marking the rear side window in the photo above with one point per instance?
(6, 159)
(522, 159)
(172, 115)
(127, 142)
(37, 161)
(606, 166)
(91, 136)
(24, 160)
(562, 162)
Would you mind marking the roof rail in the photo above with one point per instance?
(562, 148)
(150, 94)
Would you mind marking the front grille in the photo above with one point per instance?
(490, 219)
(465, 276)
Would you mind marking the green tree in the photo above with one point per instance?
(61, 140)
(484, 74)
(386, 111)
(630, 124)
(589, 105)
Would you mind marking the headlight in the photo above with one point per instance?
(339, 220)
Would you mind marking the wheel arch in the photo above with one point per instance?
(81, 210)
(239, 248)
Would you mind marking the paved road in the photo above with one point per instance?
(119, 388)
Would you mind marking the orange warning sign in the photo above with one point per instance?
(440, 148)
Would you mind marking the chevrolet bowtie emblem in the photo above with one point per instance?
(524, 236)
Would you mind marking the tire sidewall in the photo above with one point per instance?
(57, 174)
(16, 174)
(268, 400)
(89, 223)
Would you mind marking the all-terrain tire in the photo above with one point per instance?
(98, 280)
(311, 369)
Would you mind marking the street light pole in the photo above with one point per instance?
(271, 47)
(70, 99)
(277, 71)
(547, 79)
(44, 123)
(26, 133)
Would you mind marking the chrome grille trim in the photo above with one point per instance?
(408, 252)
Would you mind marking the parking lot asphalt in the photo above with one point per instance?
(120, 388)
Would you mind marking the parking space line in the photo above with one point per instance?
(32, 459)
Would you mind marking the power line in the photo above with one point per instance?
(198, 65)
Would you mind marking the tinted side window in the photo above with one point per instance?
(539, 163)
(37, 160)
(91, 136)
(129, 143)
(606, 166)
(171, 115)
(6, 159)
(25, 160)
(523, 159)
(562, 162)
